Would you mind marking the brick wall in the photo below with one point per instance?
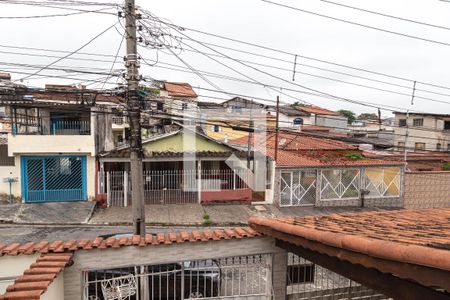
(159, 254)
(427, 189)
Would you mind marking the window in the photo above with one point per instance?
(438, 147)
(401, 145)
(300, 273)
(402, 122)
(236, 109)
(184, 106)
(216, 128)
(159, 106)
(417, 122)
(419, 146)
(298, 121)
(446, 125)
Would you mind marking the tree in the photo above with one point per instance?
(367, 116)
(351, 117)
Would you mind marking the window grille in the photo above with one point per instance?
(382, 182)
(339, 184)
(232, 277)
(417, 122)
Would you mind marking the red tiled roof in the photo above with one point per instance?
(36, 279)
(312, 109)
(315, 128)
(297, 141)
(179, 89)
(420, 237)
(300, 150)
(100, 243)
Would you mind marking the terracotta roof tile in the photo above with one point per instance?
(312, 109)
(37, 277)
(410, 236)
(60, 250)
(179, 89)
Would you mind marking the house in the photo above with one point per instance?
(323, 117)
(289, 116)
(371, 255)
(164, 103)
(56, 135)
(316, 171)
(183, 166)
(426, 131)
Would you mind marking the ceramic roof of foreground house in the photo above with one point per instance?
(416, 238)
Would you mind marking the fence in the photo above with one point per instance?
(303, 187)
(170, 186)
(306, 280)
(242, 277)
(427, 189)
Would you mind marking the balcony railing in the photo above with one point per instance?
(70, 128)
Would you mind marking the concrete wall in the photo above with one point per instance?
(85, 260)
(55, 290)
(13, 266)
(427, 189)
(9, 171)
(45, 144)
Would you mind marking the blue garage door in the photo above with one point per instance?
(53, 178)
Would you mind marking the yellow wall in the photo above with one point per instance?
(227, 133)
(175, 144)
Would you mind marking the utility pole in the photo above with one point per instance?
(405, 153)
(249, 141)
(277, 128)
(134, 113)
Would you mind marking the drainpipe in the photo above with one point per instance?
(364, 192)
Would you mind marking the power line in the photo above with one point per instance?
(357, 24)
(346, 82)
(300, 56)
(386, 15)
(53, 15)
(69, 54)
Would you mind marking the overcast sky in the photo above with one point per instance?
(262, 23)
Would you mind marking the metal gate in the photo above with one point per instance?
(53, 178)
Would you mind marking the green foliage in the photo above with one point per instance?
(446, 167)
(296, 103)
(206, 220)
(365, 116)
(351, 117)
(354, 156)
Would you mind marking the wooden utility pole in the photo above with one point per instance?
(277, 128)
(134, 113)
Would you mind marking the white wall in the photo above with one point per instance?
(55, 290)
(9, 171)
(14, 266)
(45, 144)
(430, 133)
